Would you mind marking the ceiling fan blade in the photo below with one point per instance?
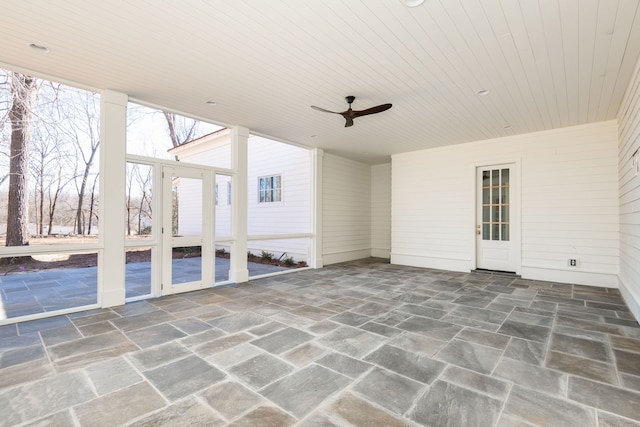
(323, 110)
(372, 110)
(349, 121)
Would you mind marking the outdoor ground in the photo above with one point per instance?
(45, 262)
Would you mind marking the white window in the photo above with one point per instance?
(270, 189)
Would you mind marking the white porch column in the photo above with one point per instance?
(113, 133)
(239, 162)
(317, 155)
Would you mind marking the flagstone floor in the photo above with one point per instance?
(362, 343)
(26, 293)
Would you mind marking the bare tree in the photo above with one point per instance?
(181, 129)
(81, 124)
(145, 200)
(24, 90)
(92, 204)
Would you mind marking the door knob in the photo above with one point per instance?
(478, 232)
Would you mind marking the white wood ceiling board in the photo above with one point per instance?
(502, 80)
(587, 22)
(620, 43)
(607, 11)
(552, 31)
(265, 63)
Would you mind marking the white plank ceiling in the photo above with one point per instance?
(546, 63)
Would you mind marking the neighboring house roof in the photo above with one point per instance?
(222, 133)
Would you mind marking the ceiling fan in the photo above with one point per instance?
(350, 114)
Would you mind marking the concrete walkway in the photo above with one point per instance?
(25, 293)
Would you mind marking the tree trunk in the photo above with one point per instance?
(79, 217)
(93, 199)
(41, 206)
(23, 93)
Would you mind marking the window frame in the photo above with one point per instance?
(278, 190)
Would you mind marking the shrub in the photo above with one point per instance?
(267, 256)
(220, 251)
(289, 261)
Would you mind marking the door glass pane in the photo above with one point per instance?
(505, 213)
(505, 232)
(495, 204)
(486, 179)
(495, 177)
(505, 177)
(186, 265)
(138, 272)
(138, 201)
(187, 221)
(485, 214)
(186, 207)
(486, 195)
(495, 217)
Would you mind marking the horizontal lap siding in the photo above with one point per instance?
(629, 187)
(293, 213)
(346, 209)
(569, 202)
(381, 210)
(265, 158)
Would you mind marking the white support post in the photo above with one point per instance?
(317, 155)
(113, 133)
(239, 271)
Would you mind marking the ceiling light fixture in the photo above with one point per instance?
(507, 126)
(412, 3)
(314, 136)
(39, 48)
(211, 102)
(482, 92)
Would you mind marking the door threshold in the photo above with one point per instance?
(495, 272)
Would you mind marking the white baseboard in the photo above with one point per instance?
(334, 258)
(461, 265)
(602, 280)
(380, 253)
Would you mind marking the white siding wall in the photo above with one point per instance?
(223, 208)
(265, 158)
(381, 210)
(629, 181)
(189, 206)
(346, 210)
(569, 203)
(293, 214)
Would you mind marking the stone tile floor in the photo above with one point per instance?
(362, 343)
(26, 293)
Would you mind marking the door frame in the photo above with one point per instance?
(206, 240)
(515, 213)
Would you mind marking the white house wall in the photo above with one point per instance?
(189, 206)
(265, 158)
(569, 203)
(346, 210)
(381, 210)
(629, 182)
(293, 214)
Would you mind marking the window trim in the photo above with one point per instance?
(271, 202)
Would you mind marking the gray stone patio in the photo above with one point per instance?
(25, 293)
(363, 343)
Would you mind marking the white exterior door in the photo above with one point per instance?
(496, 230)
(187, 229)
